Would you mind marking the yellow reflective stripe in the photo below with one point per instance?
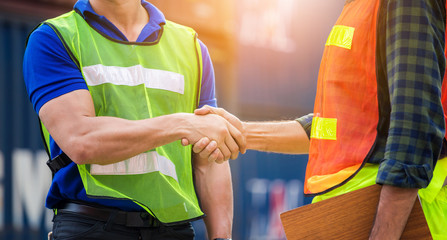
(324, 128)
(341, 36)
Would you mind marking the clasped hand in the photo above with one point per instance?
(221, 138)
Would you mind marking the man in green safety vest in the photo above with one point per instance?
(115, 86)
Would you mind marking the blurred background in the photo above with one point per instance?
(266, 55)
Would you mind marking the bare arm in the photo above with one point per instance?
(214, 188)
(85, 138)
(281, 137)
(394, 208)
(406, 163)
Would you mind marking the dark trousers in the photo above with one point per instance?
(70, 226)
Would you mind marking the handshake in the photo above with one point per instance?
(215, 134)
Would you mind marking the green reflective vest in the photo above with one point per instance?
(433, 198)
(138, 81)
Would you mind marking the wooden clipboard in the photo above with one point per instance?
(348, 216)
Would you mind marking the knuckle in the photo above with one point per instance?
(209, 148)
(195, 149)
(235, 147)
(214, 156)
(222, 128)
(235, 150)
(239, 136)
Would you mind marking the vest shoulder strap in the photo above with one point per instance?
(58, 162)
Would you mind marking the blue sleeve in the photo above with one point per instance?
(48, 70)
(207, 95)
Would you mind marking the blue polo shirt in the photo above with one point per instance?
(49, 72)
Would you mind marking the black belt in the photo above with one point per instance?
(128, 219)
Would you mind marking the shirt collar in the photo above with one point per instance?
(156, 17)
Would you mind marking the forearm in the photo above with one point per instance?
(281, 137)
(86, 138)
(117, 139)
(394, 207)
(105, 140)
(214, 188)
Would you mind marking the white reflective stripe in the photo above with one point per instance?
(140, 164)
(133, 76)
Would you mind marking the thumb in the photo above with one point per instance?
(185, 142)
(203, 110)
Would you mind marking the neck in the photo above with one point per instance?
(129, 16)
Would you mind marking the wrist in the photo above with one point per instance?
(255, 136)
(182, 124)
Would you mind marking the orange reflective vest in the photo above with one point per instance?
(346, 111)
